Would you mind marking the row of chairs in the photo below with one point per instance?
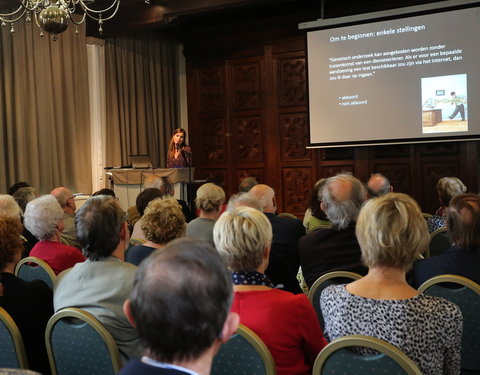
(463, 292)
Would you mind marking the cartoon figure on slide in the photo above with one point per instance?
(458, 101)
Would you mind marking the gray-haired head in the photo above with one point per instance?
(243, 199)
(9, 207)
(99, 223)
(246, 184)
(42, 216)
(342, 198)
(378, 185)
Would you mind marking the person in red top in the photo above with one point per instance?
(44, 219)
(286, 323)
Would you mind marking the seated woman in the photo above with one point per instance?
(29, 303)
(44, 219)
(447, 188)
(462, 258)
(162, 222)
(143, 199)
(314, 215)
(209, 201)
(392, 233)
(286, 322)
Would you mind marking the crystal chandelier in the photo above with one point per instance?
(54, 16)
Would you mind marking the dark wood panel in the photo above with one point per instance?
(296, 183)
(247, 142)
(294, 137)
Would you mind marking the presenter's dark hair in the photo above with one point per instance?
(452, 93)
(180, 300)
(99, 222)
(171, 145)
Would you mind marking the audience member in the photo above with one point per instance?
(9, 207)
(336, 248)
(378, 185)
(314, 216)
(102, 283)
(105, 191)
(67, 201)
(44, 219)
(463, 258)
(12, 189)
(29, 303)
(209, 201)
(162, 222)
(447, 188)
(246, 184)
(23, 196)
(286, 322)
(244, 199)
(180, 307)
(392, 233)
(143, 199)
(284, 258)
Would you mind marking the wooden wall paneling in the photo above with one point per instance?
(332, 169)
(399, 174)
(296, 189)
(216, 175)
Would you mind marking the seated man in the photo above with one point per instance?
(180, 306)
(102, 283)
(336, 248)
(284, 258)
(378, 185)
(67, 202)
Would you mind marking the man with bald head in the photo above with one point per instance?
(336, 248)
(284, 258)
(378, 185)
(67, 201)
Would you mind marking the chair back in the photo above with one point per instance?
(12, 350)
(338, 358)
(439, 242)
(465, 294)
(426, 216)
(244, 354)
(331, 278)
(33, 268)
(77, 343)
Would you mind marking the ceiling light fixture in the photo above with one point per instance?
(54, 16)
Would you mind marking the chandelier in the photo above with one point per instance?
(54, 16)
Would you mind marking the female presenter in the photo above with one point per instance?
(179, 154)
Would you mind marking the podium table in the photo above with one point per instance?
(128, 182)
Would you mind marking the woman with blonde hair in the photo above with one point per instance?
(447, 188)
(210, 199)
(392, 233)
(162, 222)
(286, 322)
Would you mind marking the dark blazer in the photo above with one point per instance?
(326, 250)
(284, 258)
(136, 367)
(454, 261)
(30, 304)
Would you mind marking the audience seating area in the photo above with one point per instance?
(244, 354)
(32, 268)
(79, 344)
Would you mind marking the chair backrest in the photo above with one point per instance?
(33, 268)
(439, 242)
(465, 294)
(338, 358)
(12, 350)
(331, 278)
(244, 354)
(77, 343)
(426, 216)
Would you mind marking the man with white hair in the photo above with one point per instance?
(336, 248)
(66, 199)
(284, 257)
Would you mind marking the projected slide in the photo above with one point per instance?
(403, 80)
